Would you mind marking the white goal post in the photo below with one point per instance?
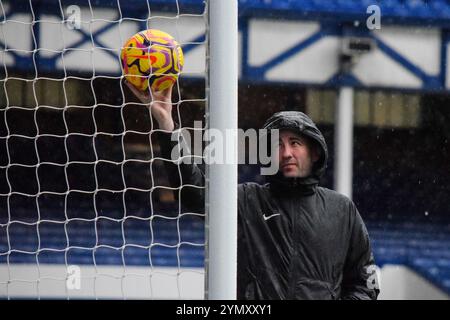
(222, 178)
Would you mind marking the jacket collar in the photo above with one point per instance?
(283, 186)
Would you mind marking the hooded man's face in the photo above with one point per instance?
(296, 155)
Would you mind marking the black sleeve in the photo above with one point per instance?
(244, 275)
(360, 280)
(186, 176)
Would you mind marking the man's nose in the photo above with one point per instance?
(286, 152)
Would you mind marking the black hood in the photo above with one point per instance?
(302, 124)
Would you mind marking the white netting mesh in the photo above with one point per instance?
(85, 206)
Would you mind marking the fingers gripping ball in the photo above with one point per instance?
(152, 58)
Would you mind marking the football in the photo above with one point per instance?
(152, 58)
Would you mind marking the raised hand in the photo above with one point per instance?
(160, 104)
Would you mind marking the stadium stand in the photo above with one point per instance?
(424, 248)
(115, 243)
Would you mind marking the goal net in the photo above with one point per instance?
(86, 209)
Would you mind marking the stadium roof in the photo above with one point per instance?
(421, 12)
(416, 12)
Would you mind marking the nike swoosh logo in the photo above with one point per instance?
(271, 216)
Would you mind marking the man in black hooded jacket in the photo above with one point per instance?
(296, 240)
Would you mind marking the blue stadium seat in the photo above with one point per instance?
(423, 247)
(440, 8)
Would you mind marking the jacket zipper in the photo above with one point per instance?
(293, 277)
